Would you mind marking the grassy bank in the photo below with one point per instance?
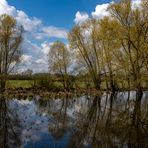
(19, 83)
(15, 84)
(57, 85)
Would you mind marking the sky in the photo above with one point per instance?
(46, 21)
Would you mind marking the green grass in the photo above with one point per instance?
(58, 84)
(19, 83)
(27, 84)
(83, 85)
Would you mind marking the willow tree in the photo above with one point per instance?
(10, 43)
(133, 22)
(83, 39)
(59, 61)
(107, 38)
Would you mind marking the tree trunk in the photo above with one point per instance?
(2, 85)
(97, 86)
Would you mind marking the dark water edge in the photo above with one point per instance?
(102, 121)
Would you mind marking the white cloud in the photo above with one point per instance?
(5, 8)
(29, 24)
(52, 31)
(136, 3)
(26, 58)
(100, 11)
(35, 57)
(40, 61)
(46, 47)
(39, 36)
(80, 17)
(22, 18)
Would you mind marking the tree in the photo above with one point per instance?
(84, 40)
(107, 38)
(59, 61)
(133, 38)
(10, 43)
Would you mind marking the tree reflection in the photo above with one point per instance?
(57, 110)
(9, 132)
(109, 125)
(87, 127)
(59, 128)
(112, 120)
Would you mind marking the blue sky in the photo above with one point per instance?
(60, 13)
(46, 21)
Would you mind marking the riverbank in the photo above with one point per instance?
(44, 92)
(30, 92)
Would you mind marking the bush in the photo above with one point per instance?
(43, 81)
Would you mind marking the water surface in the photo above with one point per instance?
(107, 121)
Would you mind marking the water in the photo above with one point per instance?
(107, 121)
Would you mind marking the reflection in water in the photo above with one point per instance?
(118, 127)
(9, 126)
(111, 120)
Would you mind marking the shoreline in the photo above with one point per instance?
(42, 92)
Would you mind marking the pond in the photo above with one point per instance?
(107, 121)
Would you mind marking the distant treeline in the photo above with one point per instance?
(56, 77)
(76, 81)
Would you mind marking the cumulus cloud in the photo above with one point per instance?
(5, 8)
(80, 17)
(26, 58)
(29, 24)
(52, 31)
(35, 57)
(40, 61)
(100, 11)
(136, 3)
(22, 18)
(46, 47)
